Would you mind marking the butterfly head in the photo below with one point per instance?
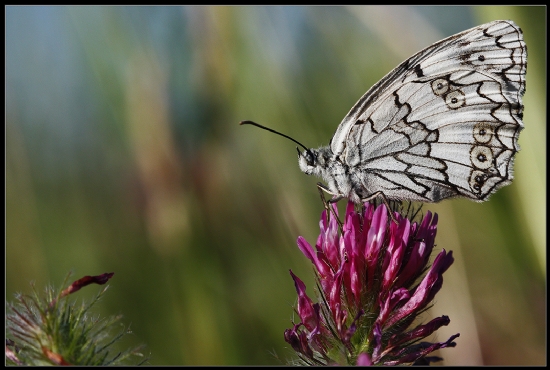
(314, 161)
(306, 160)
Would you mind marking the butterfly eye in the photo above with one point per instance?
(310, 159)
(308, 156)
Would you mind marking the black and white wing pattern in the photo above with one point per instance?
(444, 123)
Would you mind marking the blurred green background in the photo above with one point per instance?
(124, 154)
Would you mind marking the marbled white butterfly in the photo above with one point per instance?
(443, 124)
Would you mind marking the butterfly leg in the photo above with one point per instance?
(384, 199)
(322, 190)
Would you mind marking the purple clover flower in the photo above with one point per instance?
(372, 288)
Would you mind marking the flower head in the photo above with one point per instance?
(372, 287)
(50, 329)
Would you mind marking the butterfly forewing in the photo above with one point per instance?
(444, 123)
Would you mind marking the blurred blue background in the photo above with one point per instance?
(124, 154)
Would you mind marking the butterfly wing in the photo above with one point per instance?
(445, 122)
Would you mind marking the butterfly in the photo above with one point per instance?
(443, 124)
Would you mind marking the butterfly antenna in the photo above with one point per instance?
(275, 132)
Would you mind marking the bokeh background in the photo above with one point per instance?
(124, 154)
